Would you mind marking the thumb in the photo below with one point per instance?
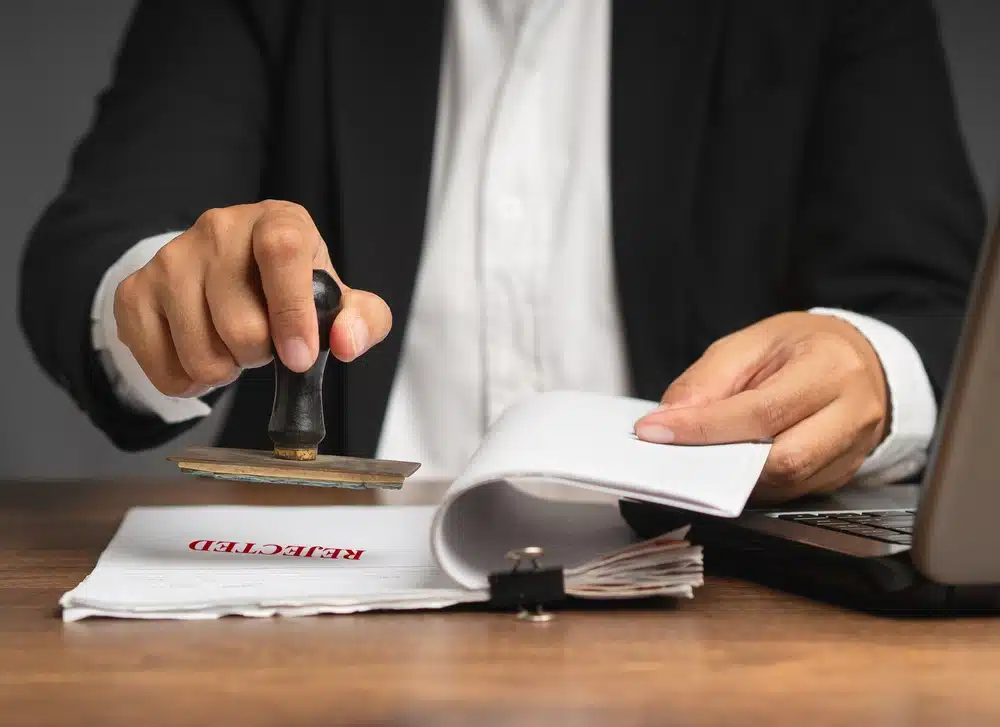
(364, 321)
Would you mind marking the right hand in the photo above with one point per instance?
(213, 299)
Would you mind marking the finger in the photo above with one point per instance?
(364, 321)
(201, 351)
(236, 306)
(808, 454)
(284, 246)
(798, 390)
(145, 332)
(831, 477)
(721, 371)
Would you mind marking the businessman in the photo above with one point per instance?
(760, 214)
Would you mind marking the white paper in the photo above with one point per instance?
(212, 561)
(589, 439)
(150, 566)
(579, 440)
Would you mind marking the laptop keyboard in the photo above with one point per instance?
(890, 526)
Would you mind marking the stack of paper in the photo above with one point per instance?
(207, 562)
(203, 562)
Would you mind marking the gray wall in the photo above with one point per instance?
(56, 54)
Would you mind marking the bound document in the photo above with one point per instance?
(211, 561)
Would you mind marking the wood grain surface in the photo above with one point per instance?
(736, 654)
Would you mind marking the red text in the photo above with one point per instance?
(293, 551)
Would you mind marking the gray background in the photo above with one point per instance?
(55, 55)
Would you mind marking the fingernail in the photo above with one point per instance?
(655, 433)
(360, 335)
(295, 354)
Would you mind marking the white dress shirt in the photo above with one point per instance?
(515, 292)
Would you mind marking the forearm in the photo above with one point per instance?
(181, 128)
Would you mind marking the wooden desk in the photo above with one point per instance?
(737, 654)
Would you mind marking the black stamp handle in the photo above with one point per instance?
(297, 425)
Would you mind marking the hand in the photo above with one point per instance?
(812, 381)
(213, 299)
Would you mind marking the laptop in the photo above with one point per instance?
(931, 546)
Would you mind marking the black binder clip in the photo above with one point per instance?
(528, 589)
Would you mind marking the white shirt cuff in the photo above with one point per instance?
(127, 378)
(903, 452)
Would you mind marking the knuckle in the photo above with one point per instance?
(294, 314)
(842, 359)
(807, 345)
(874, 413)
(210, 371)
(679, 390)
(247, 333)
(127, 295)
(852, 362)
(280, 242)
(770, 414)
(788, 468)
(215, 222)
(718, 345)
(281, 206)
(167, 384)
(172, 260)
(686, 393)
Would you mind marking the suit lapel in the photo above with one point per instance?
(384, 60)
(662, 61)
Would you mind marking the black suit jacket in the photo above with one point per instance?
(765, 156)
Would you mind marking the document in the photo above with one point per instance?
(194, 562)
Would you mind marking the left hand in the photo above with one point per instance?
(811, 381)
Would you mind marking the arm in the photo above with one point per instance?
(891, 219)
(180, 129)
(888, 236)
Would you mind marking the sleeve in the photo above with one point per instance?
(891, 220)
(181, 128)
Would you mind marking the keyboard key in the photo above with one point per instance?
(887, 526)
(907, 528)
(899, 539)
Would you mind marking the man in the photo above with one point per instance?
(759, 213)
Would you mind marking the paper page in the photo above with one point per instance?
(478, 529)
(581, 440)
(217, 560)
(588, 439)
(206, 562)
(590, 541)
